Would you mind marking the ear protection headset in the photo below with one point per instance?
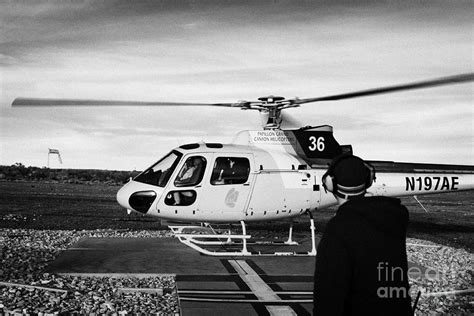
(330, 184)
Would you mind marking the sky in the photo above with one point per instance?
(225, 51)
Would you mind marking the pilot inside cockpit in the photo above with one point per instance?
(191, 173)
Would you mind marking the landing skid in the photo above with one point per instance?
(199, 237)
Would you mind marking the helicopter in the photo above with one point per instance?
(263, 175)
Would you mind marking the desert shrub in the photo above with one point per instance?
(18, 172)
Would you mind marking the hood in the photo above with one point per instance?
(383, 213)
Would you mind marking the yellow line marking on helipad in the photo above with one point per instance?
(259, 288)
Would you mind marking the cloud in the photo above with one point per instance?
(227, 51)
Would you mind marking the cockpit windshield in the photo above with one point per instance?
(160, 173)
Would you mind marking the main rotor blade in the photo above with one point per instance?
(245, 104)
(410, 86)
(72, 102)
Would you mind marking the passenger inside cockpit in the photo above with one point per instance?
(230, 170)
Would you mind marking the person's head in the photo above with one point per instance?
(348, 177)
(197, 161)
(188, 163)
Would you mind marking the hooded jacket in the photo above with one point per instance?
(361, 263)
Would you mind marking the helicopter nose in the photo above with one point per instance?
(135, 197)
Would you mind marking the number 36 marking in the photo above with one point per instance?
(316, 143)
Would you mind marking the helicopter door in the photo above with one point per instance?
(183, 192)
(227, 191)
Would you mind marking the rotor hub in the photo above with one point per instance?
(271, 99)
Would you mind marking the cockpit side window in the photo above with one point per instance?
(230, 170)
(160, 173)
(192, 172)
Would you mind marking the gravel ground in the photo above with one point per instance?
(449, 269)
(25, 253)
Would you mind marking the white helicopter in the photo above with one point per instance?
(263, 175)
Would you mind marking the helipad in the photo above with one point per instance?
(206, 285)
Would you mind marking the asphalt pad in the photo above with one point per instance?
(207, 285)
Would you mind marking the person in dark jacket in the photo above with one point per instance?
(361, 261)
